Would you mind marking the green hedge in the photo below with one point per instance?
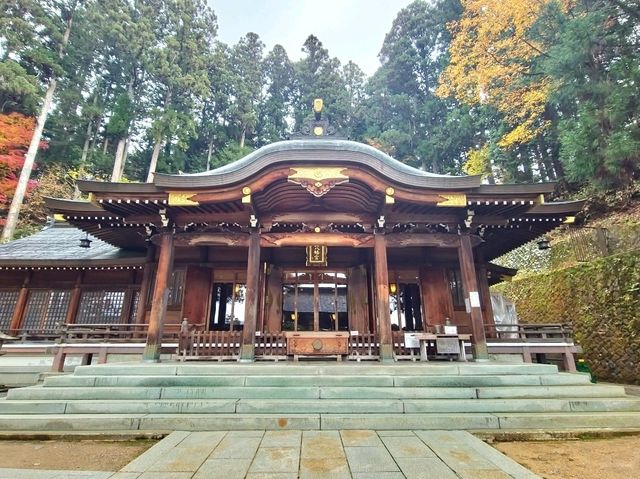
(601, 300)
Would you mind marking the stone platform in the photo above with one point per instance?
(318, 396)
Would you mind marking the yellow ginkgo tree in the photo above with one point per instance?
(492, 58)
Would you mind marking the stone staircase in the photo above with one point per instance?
(317, 395)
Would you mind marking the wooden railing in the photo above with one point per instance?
(271, 346)
(210, 344)
(364, 346)
(91, 333)
(555, 332)
(36, 334)
(399, 348)
(88, 333)
(534, 340)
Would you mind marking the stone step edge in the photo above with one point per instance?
(466, 380)
(213, 407)
(461, 421)
(549, 388)
(257, 369)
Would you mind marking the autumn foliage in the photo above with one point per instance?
(491, 63)
(16, 130)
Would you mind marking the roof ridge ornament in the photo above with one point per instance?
(318, 127)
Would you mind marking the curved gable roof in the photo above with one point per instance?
(317, 152)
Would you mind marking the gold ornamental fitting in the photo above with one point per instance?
(317, 105)
(317, 229)
(246, 190)
(390, 191)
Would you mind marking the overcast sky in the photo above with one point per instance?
(349, 29)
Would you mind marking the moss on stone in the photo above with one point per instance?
(600, 300)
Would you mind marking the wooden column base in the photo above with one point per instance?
(386, 353)
(247, 353)
(151, 353)
(480, 351)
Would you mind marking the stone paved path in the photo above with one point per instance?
(357, 454)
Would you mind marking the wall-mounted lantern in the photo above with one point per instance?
(544, 243)
(85, 242)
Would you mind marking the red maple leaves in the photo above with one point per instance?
(16, 131)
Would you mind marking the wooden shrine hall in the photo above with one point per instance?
(316, 242)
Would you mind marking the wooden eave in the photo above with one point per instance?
(558, 208)
(498, 273)
(135, 189)
(72, 264)
(516, 189)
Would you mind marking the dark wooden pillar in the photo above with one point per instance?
(485, 293)
(383, 318)
(21, 304)
(160, 299)
(252, 295)
(472, 297)
(74, 300)
(147, 271)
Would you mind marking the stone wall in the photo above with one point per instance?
(601, 300)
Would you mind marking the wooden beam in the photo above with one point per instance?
(160, 298)
(417, 218)
(355, 240)
(472, 297)
(183, 218)
(383, 318)
(209, 239)
(310, 217)
(442, 240)
(252, 293)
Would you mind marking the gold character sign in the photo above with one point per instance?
(316, 255)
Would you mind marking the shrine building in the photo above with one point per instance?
(315, 235)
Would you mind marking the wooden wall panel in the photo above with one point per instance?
(273, 306)
(358, 301)
(197, 294)
(436, 298)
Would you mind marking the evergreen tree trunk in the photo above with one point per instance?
(209, 152)
(29, 159)
(243, 134)
(434, 165)
(105, 145)
(154, 160)
(96, 134)
(85, 147)
(123, 146)
(124, 156)
(118, 164)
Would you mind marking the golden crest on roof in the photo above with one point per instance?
(318, 180)
(453, 199)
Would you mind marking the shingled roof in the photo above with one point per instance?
(59, 244)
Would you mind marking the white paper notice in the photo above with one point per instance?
(474, 299)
